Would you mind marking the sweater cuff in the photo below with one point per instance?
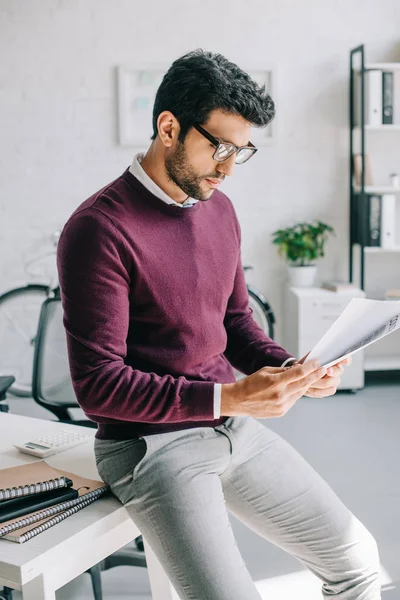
(197, 401)
(289, 360)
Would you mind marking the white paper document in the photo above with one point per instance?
(362, 323)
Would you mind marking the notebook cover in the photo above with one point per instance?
(25, 505)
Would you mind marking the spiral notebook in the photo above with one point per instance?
(31, 489)
(21, 530)
(18, 507)
(14, 482)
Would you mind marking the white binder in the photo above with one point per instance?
(372, 96)
(388, 221)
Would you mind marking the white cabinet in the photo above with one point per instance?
(308, 313)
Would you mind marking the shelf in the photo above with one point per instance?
(381, 363)
(384, 66)
(379, 66)
(390, 127)
(377, 249)
(378, 189)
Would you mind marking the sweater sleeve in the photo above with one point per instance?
(95, 266)
(248, 347)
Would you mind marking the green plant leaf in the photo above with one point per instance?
(303, 243)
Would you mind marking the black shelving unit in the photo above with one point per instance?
(357, 198)
(359, 225)
(359, 194)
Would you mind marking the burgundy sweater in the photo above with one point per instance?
(155, 309)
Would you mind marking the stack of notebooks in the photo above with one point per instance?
(35, 497)
(339, 286)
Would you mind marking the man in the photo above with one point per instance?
(156, 313)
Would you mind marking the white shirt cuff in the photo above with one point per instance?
(288, 361)
(217, 400)
(218, 391)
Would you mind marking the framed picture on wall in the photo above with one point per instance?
(137, 87)
(264, 76)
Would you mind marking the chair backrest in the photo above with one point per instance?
(51, 380)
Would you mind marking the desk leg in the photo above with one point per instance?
(161, 587)
(38, 589)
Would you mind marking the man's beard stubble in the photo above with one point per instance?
(183, 175)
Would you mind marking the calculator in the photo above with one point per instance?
(54, 443)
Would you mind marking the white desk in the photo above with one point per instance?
(50, 560)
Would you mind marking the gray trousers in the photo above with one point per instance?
(179, 486)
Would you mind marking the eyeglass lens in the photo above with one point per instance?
(224, 151)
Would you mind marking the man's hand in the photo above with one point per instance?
(327, 385)
(271, 391)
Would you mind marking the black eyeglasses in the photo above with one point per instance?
(224, 150)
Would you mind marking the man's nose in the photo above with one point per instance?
(228, 166)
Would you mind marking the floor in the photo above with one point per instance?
(353, 441)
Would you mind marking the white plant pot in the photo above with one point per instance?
(302, 276)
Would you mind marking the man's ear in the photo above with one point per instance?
(168, 128)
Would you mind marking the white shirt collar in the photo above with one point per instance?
(140, 174)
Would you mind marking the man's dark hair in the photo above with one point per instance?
(200, 82)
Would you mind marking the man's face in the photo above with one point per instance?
(191, 165)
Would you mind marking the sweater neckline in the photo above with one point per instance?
(169, 209)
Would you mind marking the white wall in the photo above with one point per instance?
(58, 140)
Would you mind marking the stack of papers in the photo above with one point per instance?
(362, 323)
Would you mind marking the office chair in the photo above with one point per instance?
(52, 389)
(6, 381)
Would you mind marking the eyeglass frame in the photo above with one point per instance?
(216, 142)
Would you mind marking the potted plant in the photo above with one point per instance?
(301, 245)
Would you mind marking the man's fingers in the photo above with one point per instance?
(326, 382)
(342, 363)
(300, 371)
(335, 370)
(306, 382)
(346, 361)
(316, 393)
